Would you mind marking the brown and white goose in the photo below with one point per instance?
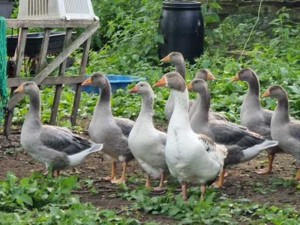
(57, 147)
(253, 116)
(283, 129)
(109, 130)
(242, 144)
(191, 158)
(177, 59)
(146, 143)
(206, 75)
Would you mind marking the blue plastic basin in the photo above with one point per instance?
(116, 82)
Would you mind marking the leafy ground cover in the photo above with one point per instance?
(81, 197)
(272, 49)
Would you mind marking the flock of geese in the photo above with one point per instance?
(199, 143)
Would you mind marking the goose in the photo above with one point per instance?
(253, 116)
(147, 144)
(283, 129)
(178, 60)
(242, 144)
(109, 130)
(206, 75)
(191, 158)
(56, 147)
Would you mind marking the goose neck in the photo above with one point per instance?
(180, 115)
(203, 107)
(147, 106)
(253, 85)
(34, 115)
(282, 110)
(180, 68)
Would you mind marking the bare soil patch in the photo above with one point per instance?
(242, 180)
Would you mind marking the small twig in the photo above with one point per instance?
(120, 212)
(252, 30)
(80, 192)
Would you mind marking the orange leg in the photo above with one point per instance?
(203, 190)
(148, 183)
(298, 175)
(161, 183)
(113, 172)
(271, 157)
(184, 191)
(221, 178)
(122, 178)
(55, 173)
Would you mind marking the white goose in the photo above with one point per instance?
(146, 143)
(191, 158)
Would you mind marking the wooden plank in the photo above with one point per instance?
(41, 23)
(58, 60)
(77, 97)
(61, 72)
(20, 49)
(76, 105)
(15, 82)
(18, 57)
(85, 56)
(42, 60)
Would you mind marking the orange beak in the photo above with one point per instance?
(189, 86)
(210, 76)
(134, 90)
(266, 94)
(87, 82)
(166, 59)
(20, 89)
(235, 78)
(163, 82)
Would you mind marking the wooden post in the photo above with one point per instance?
(77, 97)
(18, 58)
(61, 72)
(43, 52)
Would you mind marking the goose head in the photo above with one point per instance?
(244, 75)
(142, 88)
(205, 74)
(97, 79)
(174, 57)
(27, 88)
(198, 85)
(275, 91)
(172, 80)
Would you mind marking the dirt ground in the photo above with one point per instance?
(242, 180)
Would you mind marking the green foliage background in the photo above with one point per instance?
(127, 44)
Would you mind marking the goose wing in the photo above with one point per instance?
(63, 140)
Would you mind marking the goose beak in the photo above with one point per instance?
(235, 78)
(134, 90)
(189, 87)
(266, 94)
(87, 82)
(20, 89)
(163, 82)
(166, 59)
(210, 76)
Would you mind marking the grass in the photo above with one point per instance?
(273, 51)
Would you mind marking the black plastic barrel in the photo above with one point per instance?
(181, 25)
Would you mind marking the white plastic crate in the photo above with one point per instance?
(56, 9)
